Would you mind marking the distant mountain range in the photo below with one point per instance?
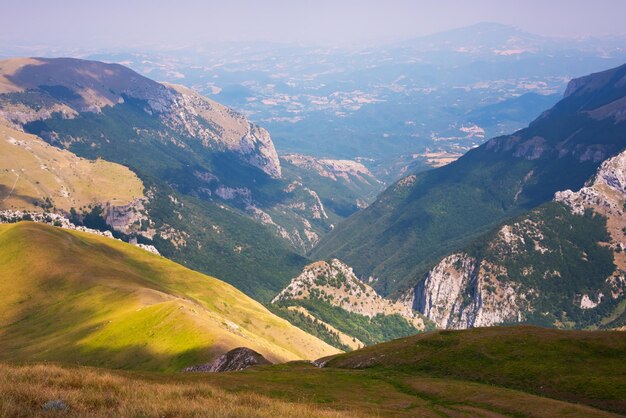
(205, 187)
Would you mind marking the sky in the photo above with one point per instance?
(115, 23)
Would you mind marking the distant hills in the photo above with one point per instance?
(385, 103)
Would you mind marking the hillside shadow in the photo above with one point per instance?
(7, 192)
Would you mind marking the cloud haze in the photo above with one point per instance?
(111, 23)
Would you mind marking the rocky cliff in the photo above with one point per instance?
(461, 292)
(337, 170)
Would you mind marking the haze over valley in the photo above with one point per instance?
(419, 210)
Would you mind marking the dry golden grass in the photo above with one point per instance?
(8, 68)
(31, 170)
(24, 390)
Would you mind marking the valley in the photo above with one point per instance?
(195, 221)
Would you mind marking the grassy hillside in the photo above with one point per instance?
(24, 391)
(578, 366)
(79, 298)
(432, 375)
(34, 173)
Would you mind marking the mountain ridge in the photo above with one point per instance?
(78, 297)
(424, 216)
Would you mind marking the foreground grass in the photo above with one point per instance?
(288, 390)
(91, 392)
(576, 366)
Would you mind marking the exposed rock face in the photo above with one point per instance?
(604, 193)
(219, 126)
(237, 359)
(128, 218)
(68, 87)
(461, 293)
(336, 283)
(344, 170)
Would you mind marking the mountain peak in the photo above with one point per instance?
(68, 87)
(615, 78)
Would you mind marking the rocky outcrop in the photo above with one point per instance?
(460, 292)
(222, 128)
(337, 170)
(604, 193)
(128, 219)
(335, 282)
(237, 359)
(11, 216)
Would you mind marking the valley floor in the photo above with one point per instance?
(294, 389)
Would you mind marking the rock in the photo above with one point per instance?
(237, 359)
(461, 292)
(605, 193)
(54, 219)
(344, 170)
(56, 405)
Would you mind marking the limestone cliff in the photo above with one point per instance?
(461, 292)
(336, 170)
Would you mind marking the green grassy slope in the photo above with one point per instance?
(578, 366)
(290, 390)
(32, 171)
(79, 298)
(477, 373)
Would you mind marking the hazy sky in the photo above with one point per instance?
(113, 23)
